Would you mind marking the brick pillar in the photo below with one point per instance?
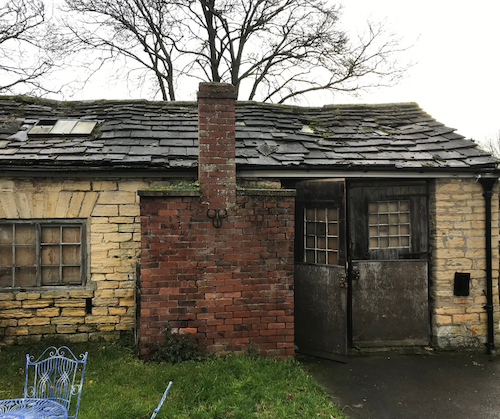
(216, 162)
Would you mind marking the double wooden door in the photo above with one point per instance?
(361, 272)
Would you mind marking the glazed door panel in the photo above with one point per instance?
(389, 267)
(320, 269)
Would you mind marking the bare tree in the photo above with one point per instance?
(270, 50)
(28, 47)
(492, 145)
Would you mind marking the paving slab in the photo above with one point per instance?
(449, 385)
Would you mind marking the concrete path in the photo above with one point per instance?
(426, 386)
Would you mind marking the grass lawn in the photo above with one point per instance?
(119, 386)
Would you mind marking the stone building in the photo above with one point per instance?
(323, 228)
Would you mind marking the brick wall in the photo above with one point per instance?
(229, 281)
(230, 285)
(458, 245)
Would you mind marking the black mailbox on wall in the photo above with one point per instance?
(461, 286)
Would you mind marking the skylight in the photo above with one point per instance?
(62, 127)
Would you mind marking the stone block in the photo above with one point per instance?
(88, 204)
(6, 305)
(15, 314)
(64, 328)
(75, 204)
(67, 320)
(21, 296)
(81, 294)
(117, 311)
(34, 321)
(132, 186)
(68, 312)
(42, 330)
(116, 197)
(105, 293)
(105, 327)
(117, 237)
(465, 318)
(76, 185)
(129, 228)
(102, 319)
(125, 326)
(122, 220)
(440, 319)
(104, 185)
(37, 303)
(450, 310)
(104, 228)
(6, 185)
(127, 302)
(16, 331)
(48, 312)
(448, 330)
(78, 338)
(54, 294)
(100, 311)
(129, 211)
(478, 329)
(106, 285)
(105, 211)
(124, 293)
(105, 302)
(72, 303)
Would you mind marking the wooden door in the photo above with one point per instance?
(389, 263)
(320, 269)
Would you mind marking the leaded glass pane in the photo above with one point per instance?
(321, 235)
(6, 235)
(25, 276)
(25, 234)
(25, 255)
(50, 275)
(51, 234)
(389, 226)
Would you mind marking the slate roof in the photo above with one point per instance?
(151, 136)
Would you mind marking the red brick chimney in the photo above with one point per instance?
(216, 150)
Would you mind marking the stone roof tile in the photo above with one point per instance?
(161, 135)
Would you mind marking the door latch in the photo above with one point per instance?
(354, 273)
(343, 280)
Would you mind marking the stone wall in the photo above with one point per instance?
(105, 305)
(457, 223)
(230, 286)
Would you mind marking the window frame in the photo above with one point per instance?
(390, 216)
(316, 249)
(38, 224)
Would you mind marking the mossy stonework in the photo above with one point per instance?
(105, 304)
(457, 233)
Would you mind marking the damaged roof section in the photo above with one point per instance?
(144, 135)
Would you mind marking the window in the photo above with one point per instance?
(62, 127)
(321, 243)
(41, 253)
(389, 224)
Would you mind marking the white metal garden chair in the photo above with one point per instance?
(57, 374)
(155, 412)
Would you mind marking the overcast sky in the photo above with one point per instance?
(456, 76)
